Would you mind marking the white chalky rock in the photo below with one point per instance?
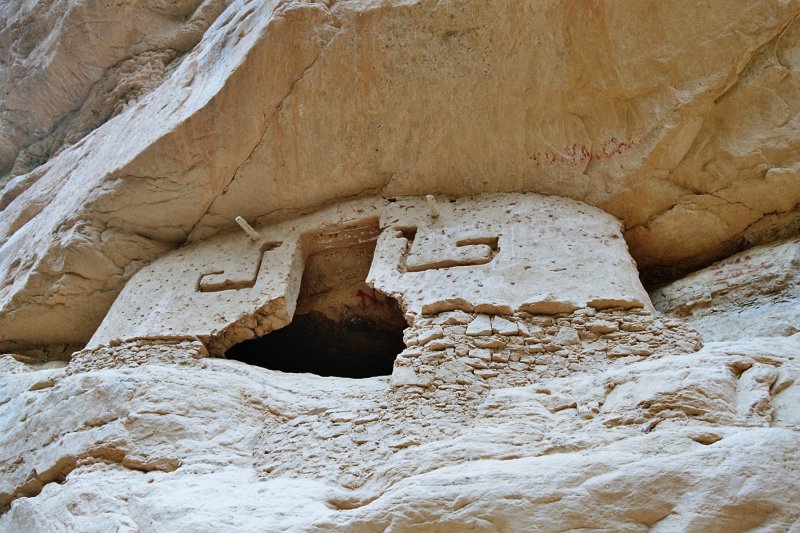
(404, 375)
(502, 326)
(481, 353)
(753, 293)
(566, 337)
(425, 336)
(481, 326)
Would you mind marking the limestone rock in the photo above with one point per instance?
(697, 158)
(480, 326)
(126, 447)
(754, 293)
(404, 376)
(501, 326)
(487, 177)
(567, 336)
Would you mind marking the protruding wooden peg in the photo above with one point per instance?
(253, 234)
(432, 205)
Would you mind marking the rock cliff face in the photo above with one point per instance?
(527, 380)
(679, 120)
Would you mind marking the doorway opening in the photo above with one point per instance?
(341, 326)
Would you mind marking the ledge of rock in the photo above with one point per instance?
(751, 294)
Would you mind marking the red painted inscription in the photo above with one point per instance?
(573, 154)
(733, 268)
(371, 299)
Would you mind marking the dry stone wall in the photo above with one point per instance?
(459, 356)
(452, 374)
(142, 429)
(135, 353)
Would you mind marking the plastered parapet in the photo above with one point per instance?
(497, 254)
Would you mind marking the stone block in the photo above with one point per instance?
(500, 357)
(428, 334)
(440, 344)
(567, 337)
(403, 376)
(481, 353)
(481, 326)
(503, 326)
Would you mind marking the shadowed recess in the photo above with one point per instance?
(313, 343)
(341, 327)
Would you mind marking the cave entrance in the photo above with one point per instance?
(341, 326)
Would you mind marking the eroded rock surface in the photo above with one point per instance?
(70, 66)
(529, 382)
(485, 420)
(136, 436)
(608, 104)
(751, 294)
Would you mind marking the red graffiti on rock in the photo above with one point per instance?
(371, 300)
(573, 154)
(733, 268)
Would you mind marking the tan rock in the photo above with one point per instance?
(60, 85)
(408, 144)
(674, 147)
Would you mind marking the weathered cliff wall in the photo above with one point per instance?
(529, 382)
(678, 119)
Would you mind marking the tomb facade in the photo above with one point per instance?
(494, 290)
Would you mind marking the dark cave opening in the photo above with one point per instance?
(313, 343)
(342, 327)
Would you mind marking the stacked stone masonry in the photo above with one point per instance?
(440, 381)
(460, 356)
(137, 352)
(501, 303)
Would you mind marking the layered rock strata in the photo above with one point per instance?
(394, 158)
(606, 103)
